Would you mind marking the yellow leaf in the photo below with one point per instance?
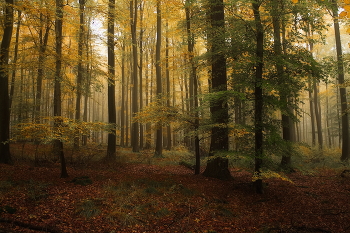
(348, 30)
(343, 14)
(347, 1)
(346, 8)
(295, 1)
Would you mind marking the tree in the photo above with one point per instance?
(193, 77)
(112, 114)
(5, 156)
(258, 96)
(81, 37)
(159, 134)
(135, 126)
(218, 80)
(342, 89)
(57, 105)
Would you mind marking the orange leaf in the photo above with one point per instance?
(295, 1)
(346, 8)
(343, 14)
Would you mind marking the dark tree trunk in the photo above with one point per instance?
(159, 134)
(217, 167)
(258, 95)
(123, 104)
(318, 116)
(284, 93)
(141, 72)
(15, 58)
(5, 156)
(135, 140)
(167, 77)
(194, 86)
(42, 49)
(312, 113)
(80, 67)
(343, 100)
(218, 107)
(112, 114)
(57, 105)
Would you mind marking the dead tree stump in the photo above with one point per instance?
(218, 168)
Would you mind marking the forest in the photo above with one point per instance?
(174, 116)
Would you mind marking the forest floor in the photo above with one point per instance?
(141, 197)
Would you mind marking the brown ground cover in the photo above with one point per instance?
(154, 198)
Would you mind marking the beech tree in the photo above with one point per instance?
(218, 81)
(5, 156)
(112, 115)
(57, 101)
(159, 133)
(342, 89)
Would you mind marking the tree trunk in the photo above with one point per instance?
(141, 72)
(122, 108)
(168, 95)
(159, 134)
(80, 67)
(318, 117)
(135, 140)
(343, 100)
(258, 94)
(194, 86)
(5, 156)
(217, 167)
(218, 107)
(15, 58)
(112, 118)
(57, 105)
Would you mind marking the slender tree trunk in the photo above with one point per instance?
(194, 87)
(135, 140)
(42, 49)
(168, 94)
(318, 116)
(141, 72)
(57, 105)
(122, 109)
(15, 58)
(258, 94)
(287, 126)
(5, 156)
(112, 118)
(343, 100)
(148, 92)
(159, 134)
(80, 67)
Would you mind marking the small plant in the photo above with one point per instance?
(82, 180)
(88, 208)
(37, 190)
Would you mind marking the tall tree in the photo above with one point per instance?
(43, 41)
(159, 133)
(112, 113)
(15, 57)
(57, 105)
(5, 156)
(81, 37)
(342, 90)
(287, 125)
(135, 140)
(218, 80)
(258, 95)
(193, 77)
